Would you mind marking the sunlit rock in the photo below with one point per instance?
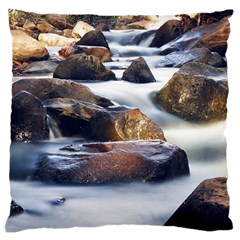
(197, 92)
(81, 28)
(123, 124)
(26, 48)
(52, 39)
(101, 52)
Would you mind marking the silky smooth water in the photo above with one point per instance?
(128, 203)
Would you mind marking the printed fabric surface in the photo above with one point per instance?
(119, 120)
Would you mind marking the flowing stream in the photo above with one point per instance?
(128, 203)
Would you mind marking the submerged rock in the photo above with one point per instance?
(26, 48)
(200, 55)
(197, 92)
(207, 208)
(123, 124)
(138, 72)
(94, 38)
(15, 209)
(28, 118)
(147, 161)
(101, 52)
(72, 116)
(45, 88)
(213, 36)
(83, 67)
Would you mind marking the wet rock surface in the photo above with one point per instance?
(40, 67)
(207, 208)
(150, 161)
(122, 124)
(213, 36)
(138, 72)
(83, 67)
(46, 88)
(200, 55)
(72, 116)
(15, 209)
(94, 38)
(197, 92)
(28, 118)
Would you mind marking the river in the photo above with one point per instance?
(128, 203)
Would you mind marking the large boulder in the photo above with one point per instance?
(123, 124)
(83, 67)
(94, 38)
(101, 52)
(138, 72)
(52, 39)
(28, 118)
(200, 55)
(213, 36)
(46, 88)
(167, 32)
(197, 92)
(26, 48)
(207, 208)
(71, 115)
(147, 161)
(81, 28)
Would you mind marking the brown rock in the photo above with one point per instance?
(30, 25)
(101, 52)
(197, 92)
(83, 67)
(46, 88)
(28, 118)
(67, 33)
(71, 115)
(207, 208)
(167, 32)
(122, 124)
(57, 20)
(52, 39)
(45, 27)
(94, 38)
(213, 36)
(138, 72)
(26, 48)
(147, 161)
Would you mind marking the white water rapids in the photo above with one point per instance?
(131, 203)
